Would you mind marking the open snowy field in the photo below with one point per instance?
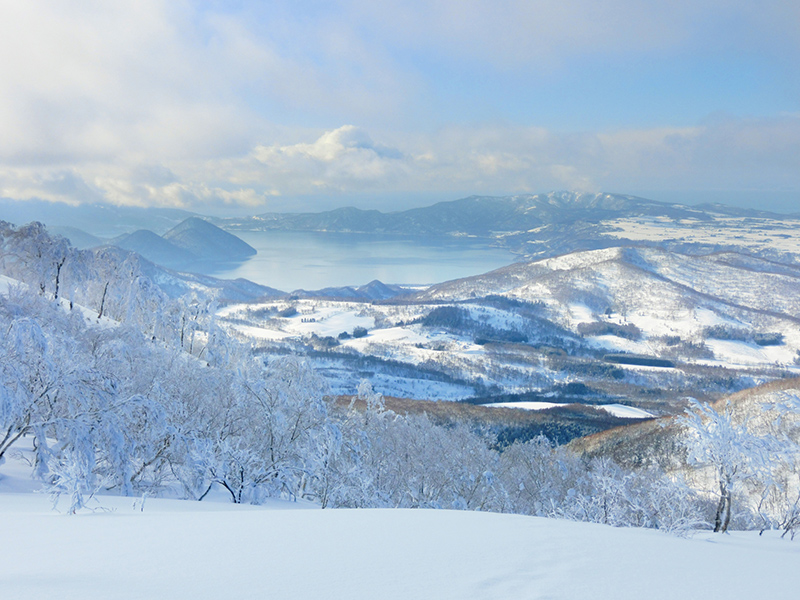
(759, 234)
(180, 549)
(618, 410)
(175, 549)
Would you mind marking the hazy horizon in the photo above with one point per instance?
(21, 211)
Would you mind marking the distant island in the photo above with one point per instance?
(193, 241)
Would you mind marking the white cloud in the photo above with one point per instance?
(345, 159)
(137, 80)
(174, 103)
(106, 81)
(750, 153)
(726, 153)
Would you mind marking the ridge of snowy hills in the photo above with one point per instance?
(531, 226)
(374, 290)
(487, 215)
(640, 326)
(546, 225)
(632, 279)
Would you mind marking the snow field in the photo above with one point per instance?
(741, 353)
(618, 410)
(181, 549)
(724, 231)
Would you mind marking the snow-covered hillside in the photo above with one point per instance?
(180, 549)
(560, 222)
(637, 326)
(121, 548)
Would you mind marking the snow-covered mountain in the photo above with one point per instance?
(154, 248)
(476, 215)
(633, 325)
(374, 290)
(634, 280)
(546, 225)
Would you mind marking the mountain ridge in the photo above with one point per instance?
(488, 215)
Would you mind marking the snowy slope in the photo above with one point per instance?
(699, 313)
(660, 292)
(618, 410)
(179, 549)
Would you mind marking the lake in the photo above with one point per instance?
(289, 260)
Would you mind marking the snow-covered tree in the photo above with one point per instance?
(735, 454)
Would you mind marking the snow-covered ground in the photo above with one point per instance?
(744, 232)
(618, 410)
(124, 548)
(697, 312)
(626, 412)
(526, 405)
(180, 549)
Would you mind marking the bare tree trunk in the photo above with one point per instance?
(59, 266)
(723, 494)
(103, 301)
(727, 520)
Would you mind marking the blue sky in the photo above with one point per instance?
(251, 106)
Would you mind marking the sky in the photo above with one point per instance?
(251, 106)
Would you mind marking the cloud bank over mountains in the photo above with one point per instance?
(215, 104)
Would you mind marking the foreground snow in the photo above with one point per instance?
(179, 549)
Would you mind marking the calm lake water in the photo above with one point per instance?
(298, 260)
